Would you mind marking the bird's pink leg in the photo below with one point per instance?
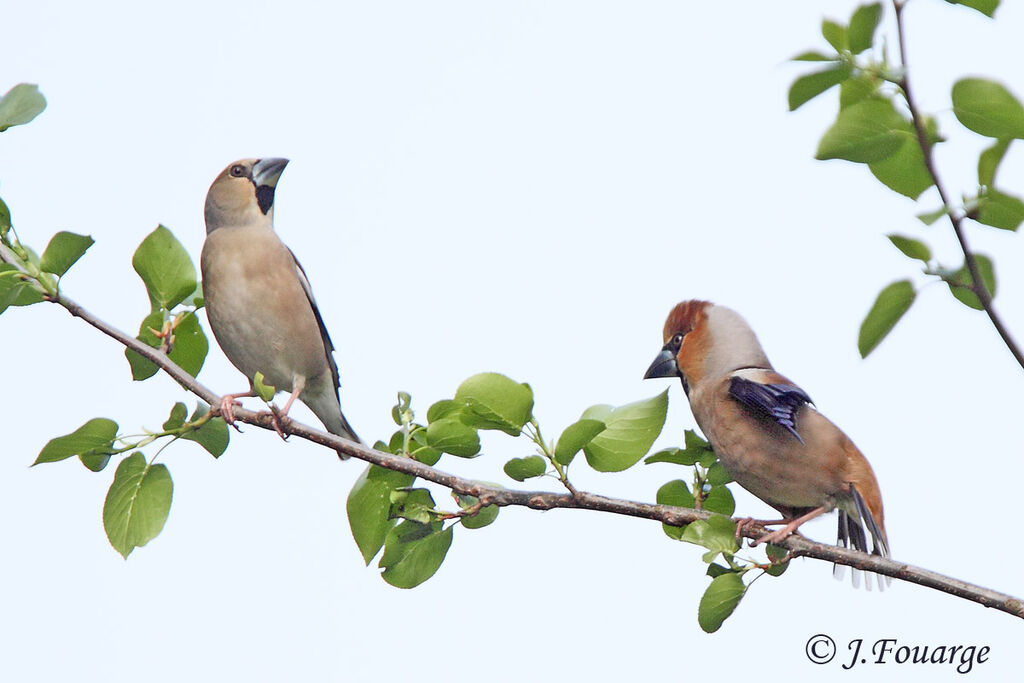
(299, 384)
(228, 403)
(791, 526)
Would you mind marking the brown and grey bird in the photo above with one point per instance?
(258, 300)
(765, 430)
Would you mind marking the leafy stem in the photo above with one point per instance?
(955, 217)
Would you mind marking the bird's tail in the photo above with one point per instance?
(854, 529)
(328, 409)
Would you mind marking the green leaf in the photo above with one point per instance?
(777, 554)
(414, 552)
(96, 462)
(137, 503)
(719, 499)
(866, 132)
(444, 409)
(630, 430)
(452, 436)
(986, 7)
(696, 450)
(143, 368)
(402, 412)
(813, 56)
(426, 455)
(912, 248)
(719, 601)
(369, 507)
(494, 401)
(64, 249)
(266, 392)
(413, 504)
(960, 282)
(862, 27)
(854, 90)
(1000, 210)
(95, 437)
(484, 517)
(889, 307)
(5, 219)
(522, 469)
(20, 104)
(165, 268)
(676, 493)
(835, 34)
(988, 108)
(177, 417)
(809, 86)
(988, 162)
(718, 475)
(716, 533)
(213, 435)
(675, 456)
(189, 345)
(904, 171)
(576, 436)
(11, 285)
(929, 217)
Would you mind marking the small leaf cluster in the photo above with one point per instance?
(388, 512)
(174, 296)
(385, 508)
(139, 498)
(717, 534)
(877, 126)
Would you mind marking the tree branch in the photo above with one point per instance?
(955, 217)
(798, 546)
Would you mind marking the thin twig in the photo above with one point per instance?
(542, 500)
(955, 217)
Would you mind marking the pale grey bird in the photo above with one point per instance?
(258, 300)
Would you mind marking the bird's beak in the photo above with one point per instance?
(664, 365)
(266, 172)
(264, 176)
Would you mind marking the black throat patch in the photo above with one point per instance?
(265, 197)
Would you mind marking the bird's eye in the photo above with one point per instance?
(238, 171)
(677, 338)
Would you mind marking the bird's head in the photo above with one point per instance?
(243, 193)
(704, 340)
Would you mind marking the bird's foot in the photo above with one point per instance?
(277, 418)
(227, 409)
(743, 522)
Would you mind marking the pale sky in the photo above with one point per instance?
(519, 187)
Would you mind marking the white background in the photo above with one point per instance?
(522, 187)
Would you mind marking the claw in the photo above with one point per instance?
(275, 420)
(227, 407)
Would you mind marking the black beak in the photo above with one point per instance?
(664, 364)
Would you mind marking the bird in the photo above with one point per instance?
(259, 302)
(766, 431)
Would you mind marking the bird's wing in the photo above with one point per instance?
(776, 398)
(328, 344)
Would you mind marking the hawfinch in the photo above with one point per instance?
(764, 429)
(258, 300)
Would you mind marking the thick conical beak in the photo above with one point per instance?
(264, 176)
(266, 172)
(664, 365)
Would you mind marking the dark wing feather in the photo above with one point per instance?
(328, 344)
(778, 402)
